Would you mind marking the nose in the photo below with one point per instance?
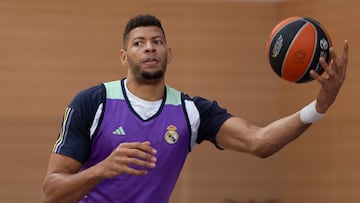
(150, 47)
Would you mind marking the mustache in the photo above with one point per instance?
(150, 59)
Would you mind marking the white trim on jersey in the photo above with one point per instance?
(95, 122)
(194, 119)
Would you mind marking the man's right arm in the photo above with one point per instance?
(63, 182)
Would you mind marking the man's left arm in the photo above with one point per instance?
(240, 135)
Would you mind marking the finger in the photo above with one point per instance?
(141, 155)
(339, 64)
(120, 154)
(316, 76)
(118, 165)
(335, 63)
(327, 68)
(147, 143)
(144, 146)
(345, 56)
(133, 171)
(332, 52)
(139, 162)
(340, 61)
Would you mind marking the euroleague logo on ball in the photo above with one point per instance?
(324, 45)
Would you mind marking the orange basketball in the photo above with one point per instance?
(295, 46)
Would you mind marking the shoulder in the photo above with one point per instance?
(75, 136)
(92, 96)
(205, 106)
(210, 114)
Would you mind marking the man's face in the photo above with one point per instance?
(146, 54)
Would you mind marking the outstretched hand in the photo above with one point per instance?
(332, 79)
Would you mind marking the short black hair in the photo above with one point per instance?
(141, 21)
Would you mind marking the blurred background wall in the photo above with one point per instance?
(50, 50)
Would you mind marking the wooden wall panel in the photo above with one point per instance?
(323, 165)
(51, 50)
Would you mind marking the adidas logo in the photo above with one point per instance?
(119, 131)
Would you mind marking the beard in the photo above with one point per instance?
(154, 75)
(147, 77)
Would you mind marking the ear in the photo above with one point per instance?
(123, 57)
(169, 57)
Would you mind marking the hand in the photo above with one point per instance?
(333, 78)
(126, 154)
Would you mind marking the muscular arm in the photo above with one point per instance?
(64, 182)
(240, 135)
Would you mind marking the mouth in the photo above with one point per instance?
(150, 61)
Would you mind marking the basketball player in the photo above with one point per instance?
(127, 140)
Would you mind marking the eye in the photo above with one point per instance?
(137, 43)
(159, 42)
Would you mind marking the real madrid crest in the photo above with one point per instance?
(171, 136)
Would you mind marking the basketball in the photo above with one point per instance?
(295, 46)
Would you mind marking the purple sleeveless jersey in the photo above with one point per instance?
(168, 131)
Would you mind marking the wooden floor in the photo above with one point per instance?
(51, 50)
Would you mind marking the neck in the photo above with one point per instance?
(146, 91)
